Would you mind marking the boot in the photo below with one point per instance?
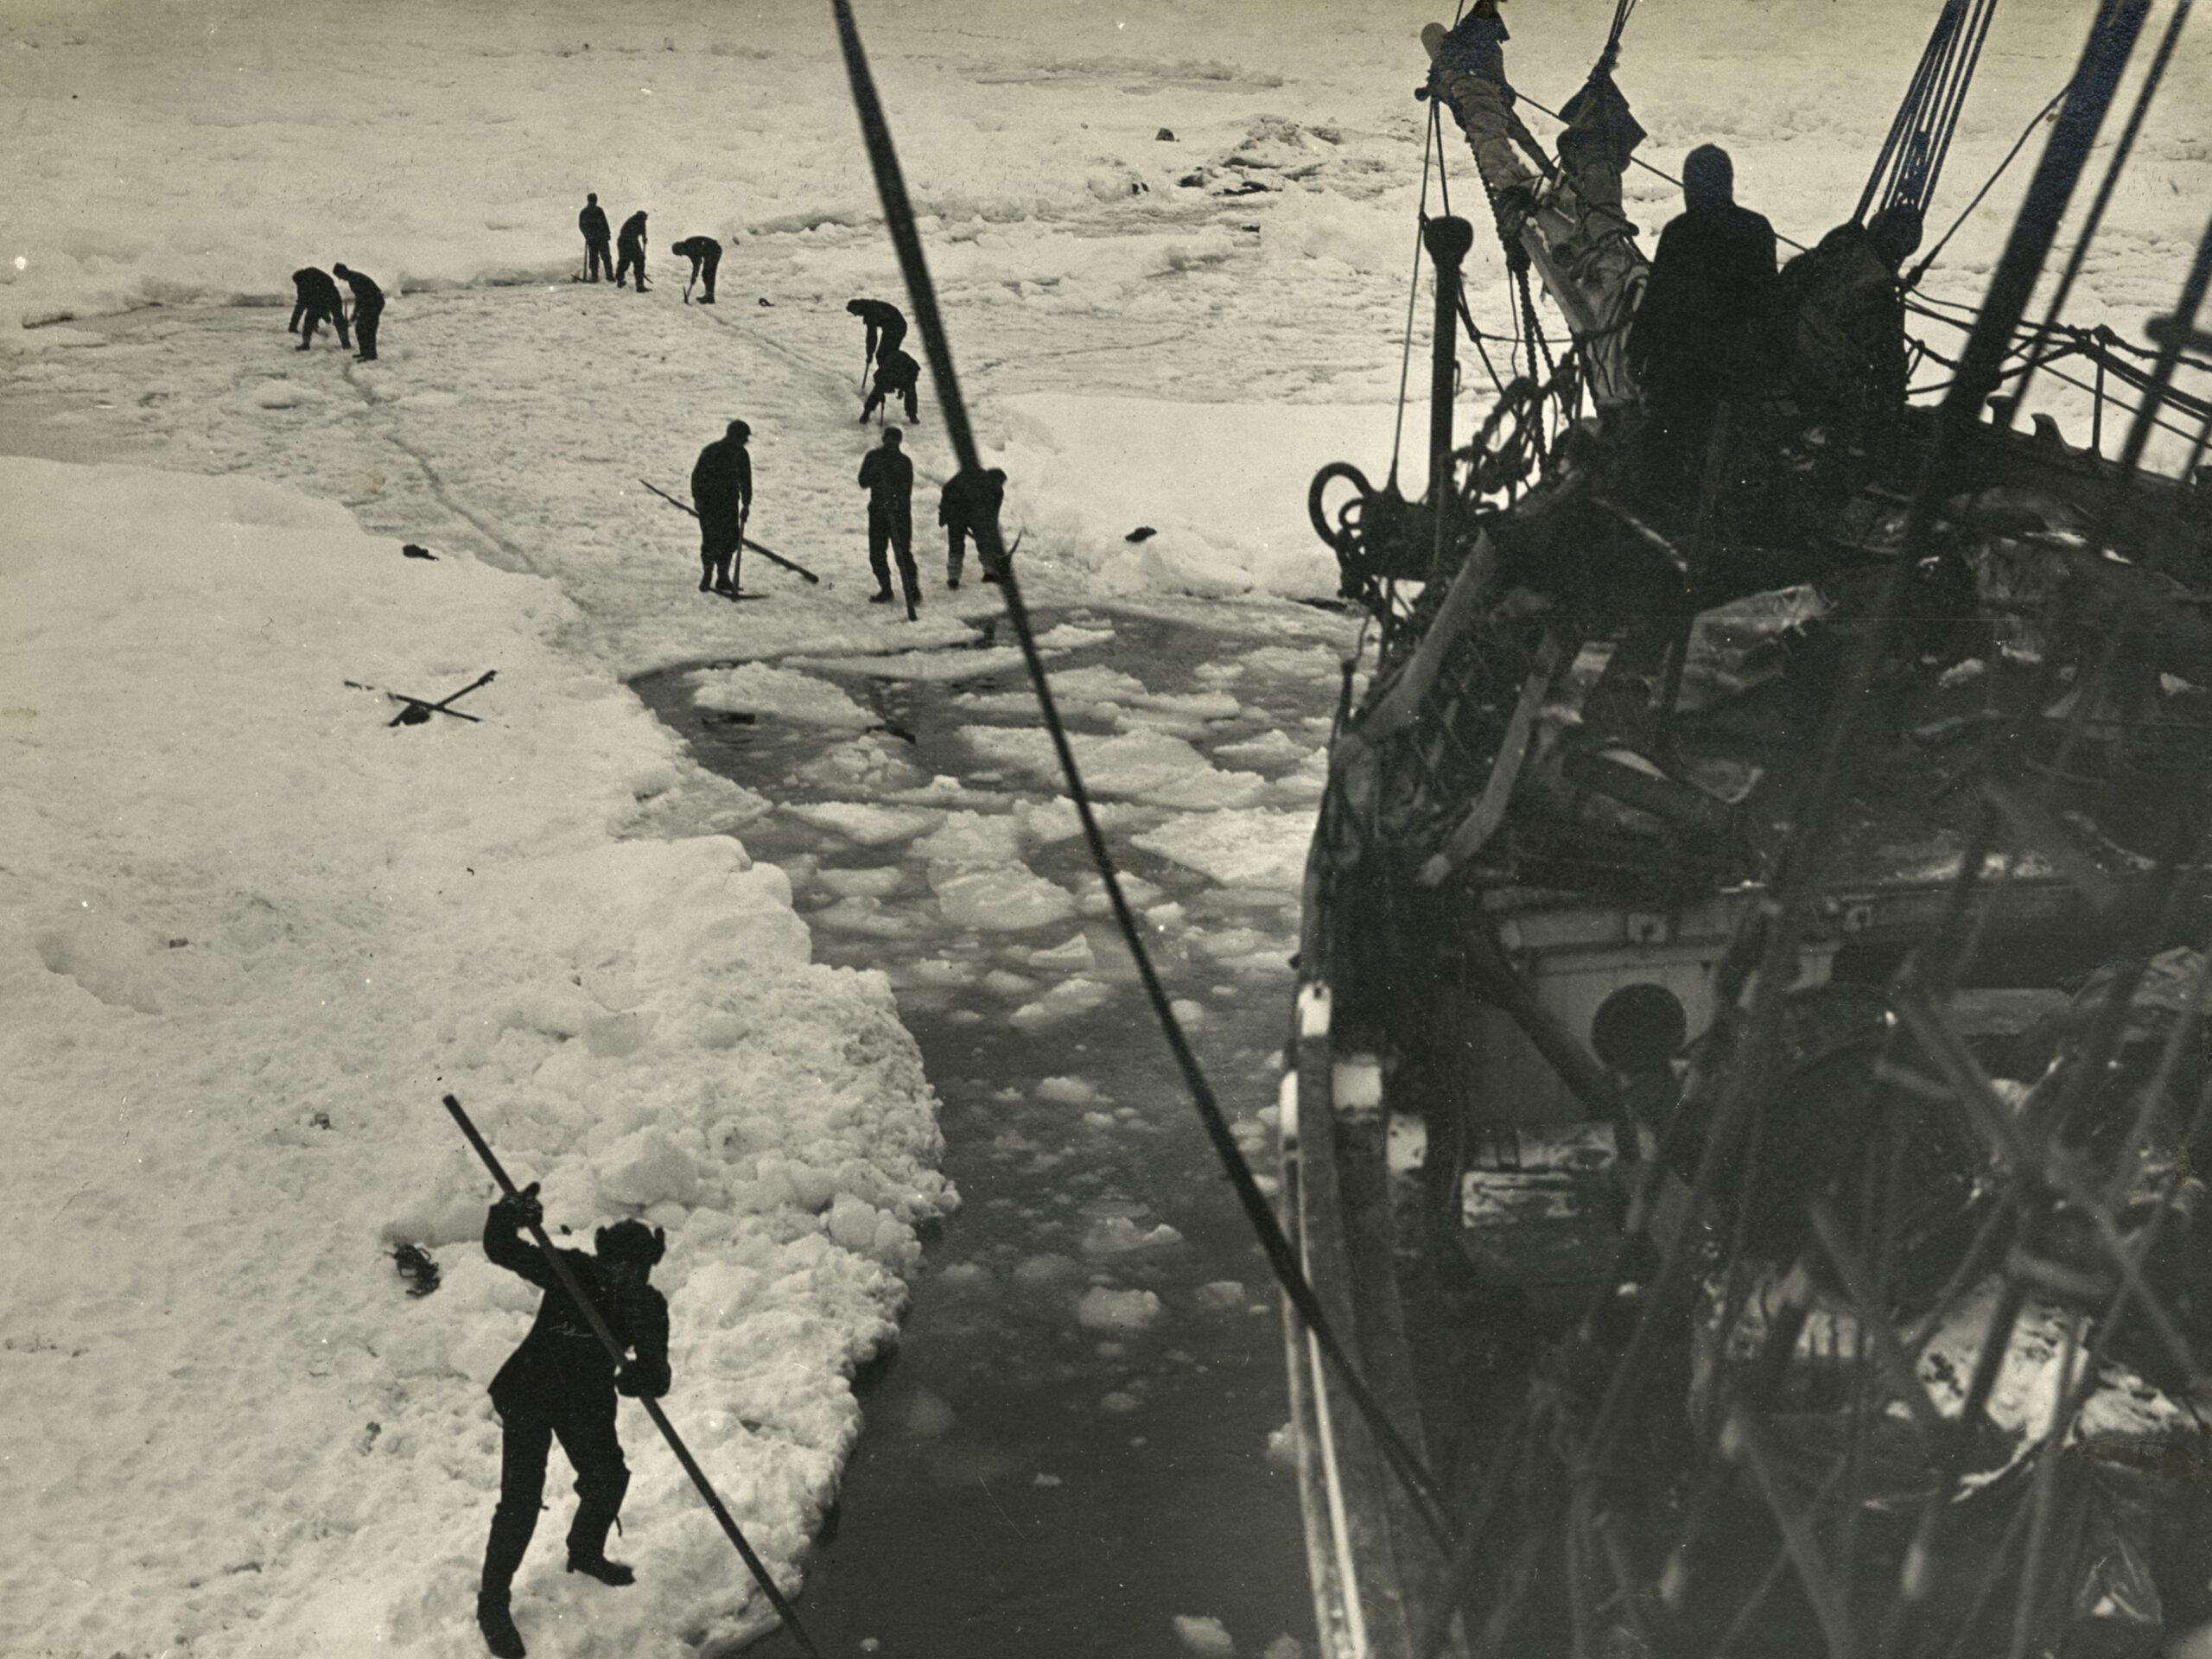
(883, 598)
(706, 584)
(500, 1635)
(598, 1566)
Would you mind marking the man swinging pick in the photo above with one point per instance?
(562, 1382)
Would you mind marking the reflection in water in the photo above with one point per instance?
(1070, 1449)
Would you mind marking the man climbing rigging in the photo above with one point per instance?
(561, 1382)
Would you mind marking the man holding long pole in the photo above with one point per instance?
(721, 493)
(562, 1382)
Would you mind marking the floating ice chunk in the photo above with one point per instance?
(1063, 1001)
(941, 970)
(1068, 1091)
(1270, 749)
(868, 825)
(973, 839)
(646, 1168)
(1000, 899)
(1004, 983)
(758, 688)
(1052, 821)
(873, 883)
(1092, 899)
(1101, 1120)
(1221, 1295)
(1073, 956)
(1285, 1646)
(1044, 1479)
(1046, 1269)
(1189, 1013)
(1204, 1634)
(1120, 1402)
(1257, 847)
(1118, 1236)
(1149, 765)
(1102, 1309)
(1282, 1447)
(863, 915)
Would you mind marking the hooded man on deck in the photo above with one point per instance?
(1713, 285)
(562, 1382)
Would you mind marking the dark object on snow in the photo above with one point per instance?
(764, 299)
(630, 245)
(318, 301)
(1164, 137)
(721, 494)
(1141, 533)
(887, 327)
(1712, 283)
(597, 255)
(411, 551)
(368, 307)
(417, 1268)
(888, 477)
(418, 712)
(967, 506)
(705, 254)
(897, 375)
(562, 1382)
(732, 718)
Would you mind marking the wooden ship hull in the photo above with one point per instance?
(1749, 1055)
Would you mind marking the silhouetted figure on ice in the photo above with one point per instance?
(368, 307)
(1843, 308)
(888, 477)
(630, 245)
(721, 490)
(561, 1382)
(704, 253)
(318, 301)
(970, 501)
(598, 255)
(1713, 286)
(887, 327)
(897, 375)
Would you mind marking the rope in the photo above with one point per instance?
(2037, 120)
(1912, 155)
(2152, 79)
(899, 214)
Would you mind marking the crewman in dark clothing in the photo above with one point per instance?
(722, 490)
(368, 305)
(887, 326)
(1843, 310)
(888, 477)
(897, 375)
(317, 302)
(1712, 288)
(560, 1382)
(704, 253)
(630, 244)
(970, 501)
(597, 256)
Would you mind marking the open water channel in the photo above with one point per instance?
(1070, 1449)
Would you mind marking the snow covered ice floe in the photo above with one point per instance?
(250, 931)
